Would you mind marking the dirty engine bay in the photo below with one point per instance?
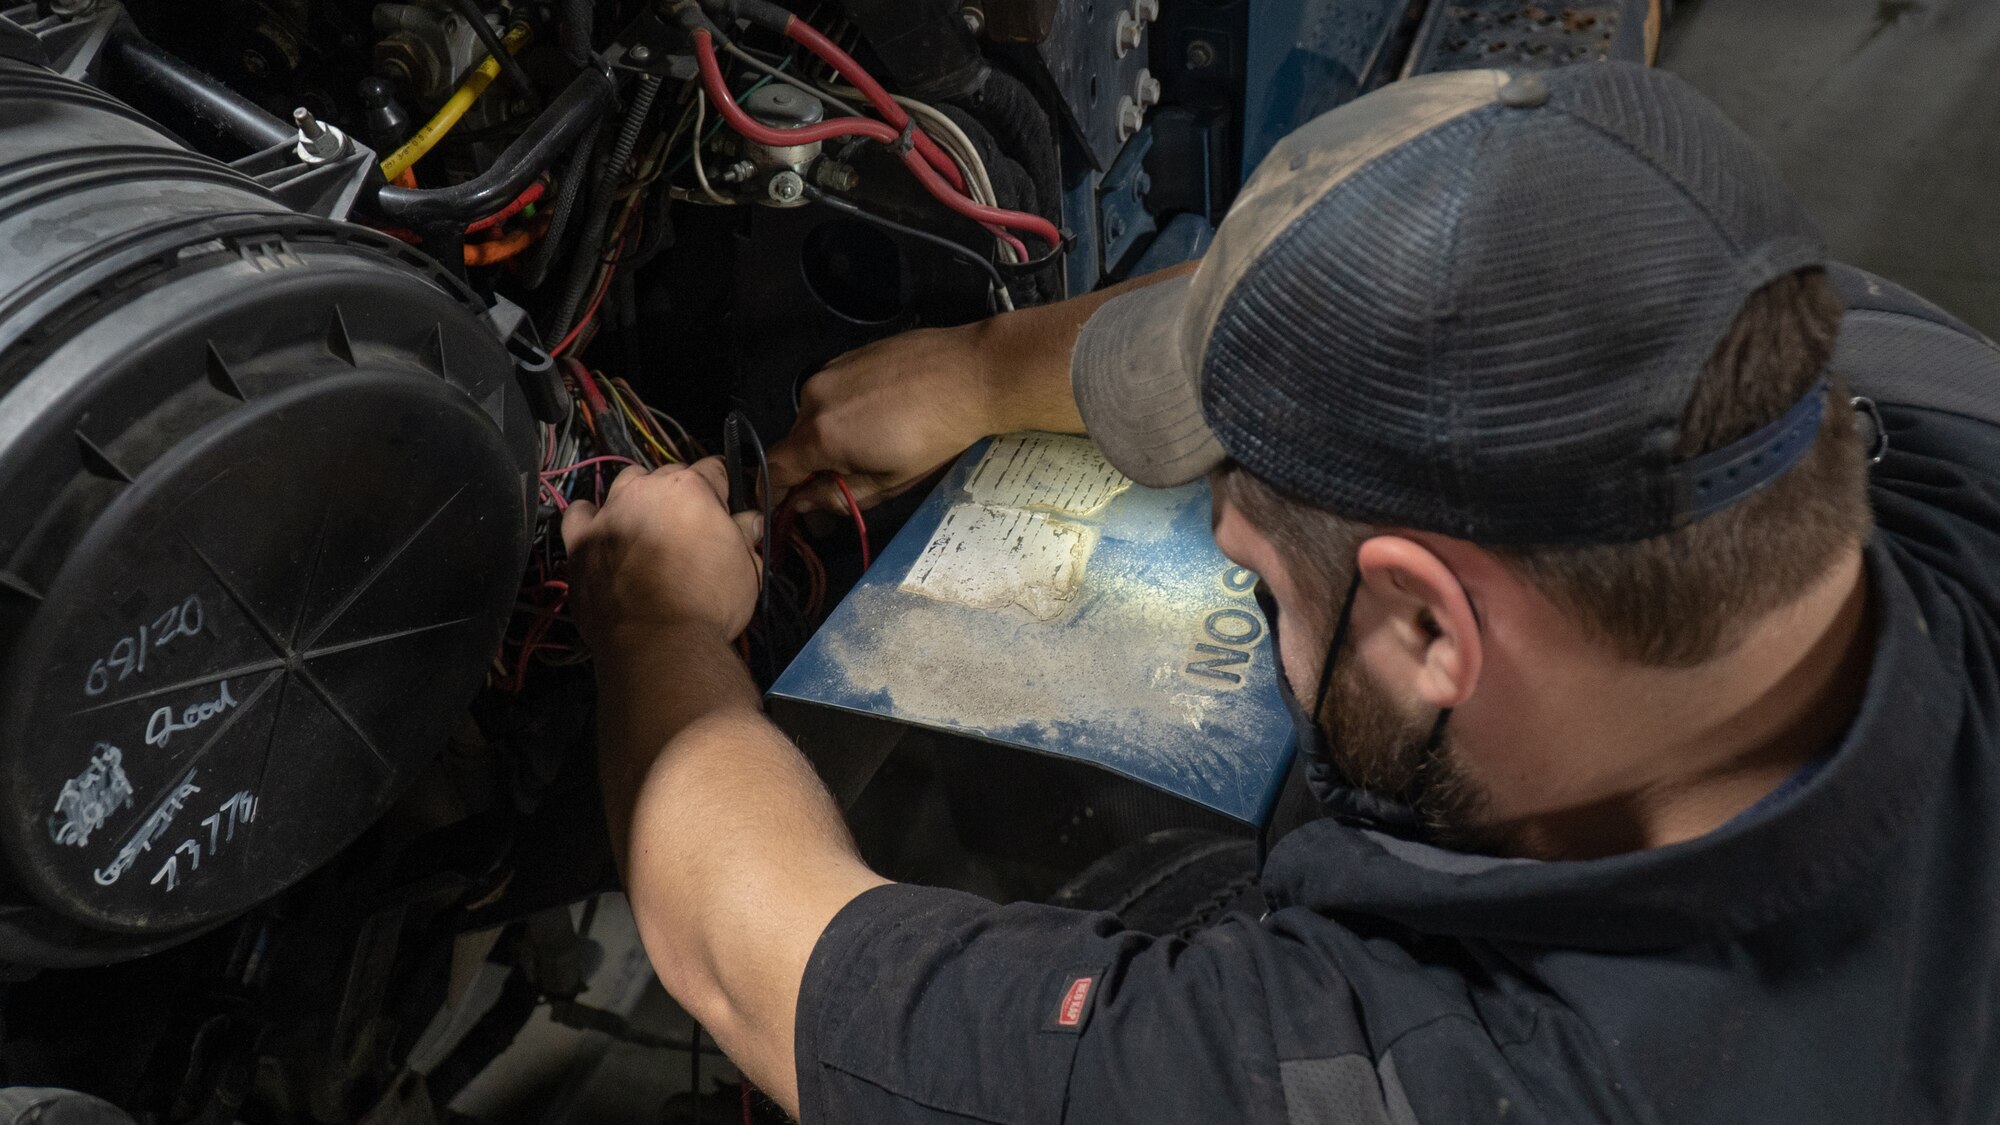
(316, 314)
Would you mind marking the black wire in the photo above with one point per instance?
(965, 252)
(490, 39)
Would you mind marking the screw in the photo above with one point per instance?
(1200, 55)
(640, 53)
(786, 187)
(738, 172)
(975, 19)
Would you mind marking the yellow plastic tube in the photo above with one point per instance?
(454, 107)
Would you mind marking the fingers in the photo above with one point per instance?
(751, 525)
(795, 458)
(576, 521)
(712, 473)
(624, 480)
(817, 496)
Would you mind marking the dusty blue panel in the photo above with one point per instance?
(1155, 664)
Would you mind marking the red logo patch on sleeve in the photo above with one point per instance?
(1075, 1000)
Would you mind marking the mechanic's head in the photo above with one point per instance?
(1515, 393)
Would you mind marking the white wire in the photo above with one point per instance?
(965, 154)
(700, 173)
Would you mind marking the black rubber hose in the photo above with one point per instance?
(579, 106)
(1018, 124)
(490, 39)
(579, 24)
(228, 113)
(568, 190)
(602, 199)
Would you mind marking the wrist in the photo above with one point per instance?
(1020, 364)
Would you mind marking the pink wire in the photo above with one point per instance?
(586, 463)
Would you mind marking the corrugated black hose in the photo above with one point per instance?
(579, 21)
(568, 191)
(583, 271)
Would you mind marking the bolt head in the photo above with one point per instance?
(786, 187)
(975, 19)
(640, 53)
(1200, 55)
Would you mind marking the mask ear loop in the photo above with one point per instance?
(1339, 639)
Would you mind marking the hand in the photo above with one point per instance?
(885, 416)
(663, 555)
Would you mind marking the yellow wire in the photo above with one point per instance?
(612, 391)
(454, 107)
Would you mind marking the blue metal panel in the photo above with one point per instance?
(1309, 56)
(1149, 658)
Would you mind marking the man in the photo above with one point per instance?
(1659, 772)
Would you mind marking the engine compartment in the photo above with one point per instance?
(315, 314)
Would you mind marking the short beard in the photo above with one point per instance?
(1382, 749)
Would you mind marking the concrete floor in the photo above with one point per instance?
(1884, 116)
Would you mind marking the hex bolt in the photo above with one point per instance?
(1130, 30)
(317, 143)
(836, 176)
(1130, 118)
(786, 187)
(1146, 89)
(1200, 55)
(736, 173)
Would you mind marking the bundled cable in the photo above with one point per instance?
(933, 168)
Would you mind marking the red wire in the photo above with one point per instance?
(860, 524)
(520, 203)
(718, 92)
(808, 36)
(583, 321)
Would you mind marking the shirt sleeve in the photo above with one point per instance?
(926, 1005)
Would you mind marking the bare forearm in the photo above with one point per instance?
(1028, 357)
(719, 824)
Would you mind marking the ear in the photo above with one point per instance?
(1424, 640)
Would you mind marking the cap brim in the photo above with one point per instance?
(1140, 400)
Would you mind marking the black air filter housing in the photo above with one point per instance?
(265, 491)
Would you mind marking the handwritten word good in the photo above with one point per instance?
(162, 726)
(150, 830)
(240, 808)
(88, 799)
(128, 656)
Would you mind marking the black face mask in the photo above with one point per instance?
(1312, 746)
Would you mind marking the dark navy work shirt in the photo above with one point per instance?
(1835, 958)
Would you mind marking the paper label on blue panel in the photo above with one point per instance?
(1045, 472)
(989, 557)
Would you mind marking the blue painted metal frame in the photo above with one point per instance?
(1159, 667)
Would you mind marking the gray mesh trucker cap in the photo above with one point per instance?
(1469, 303)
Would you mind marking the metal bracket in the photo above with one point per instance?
(327, 189)
(1122, 217)
(68, 44)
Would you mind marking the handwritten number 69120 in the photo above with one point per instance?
(128, 656)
